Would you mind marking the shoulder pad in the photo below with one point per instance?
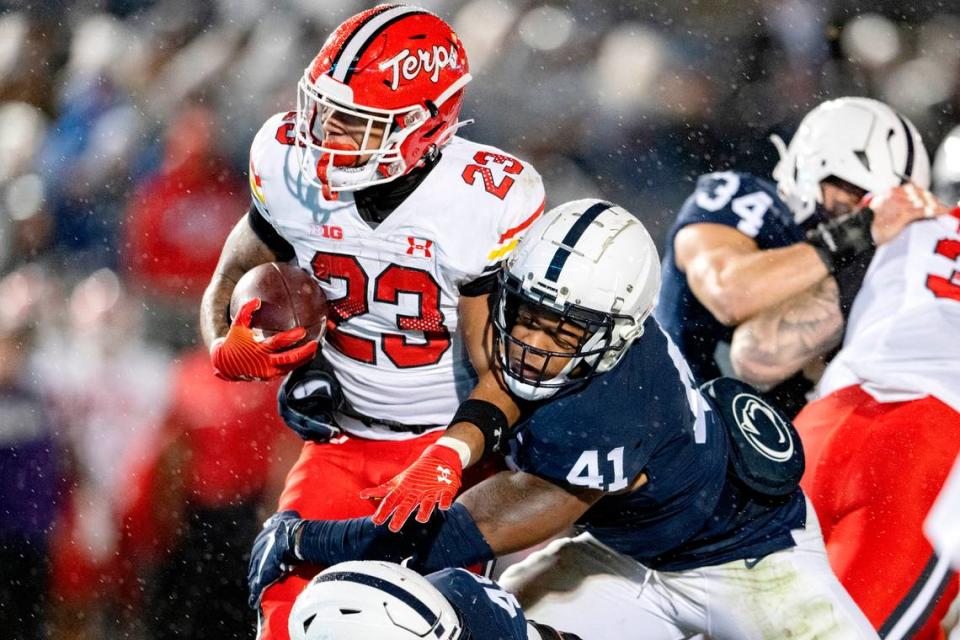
(503, 189)
(735, 199)
(275, 135)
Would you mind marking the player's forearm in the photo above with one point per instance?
(506, 513)
(214, 308)
(474, 312)
(516, 510)
(772, 346)
(242, 251)
(735, 287)
(449, 539)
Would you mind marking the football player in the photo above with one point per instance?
(741, 244)
(904, 295)
(888, 398)
(367, 186)
(386, 601)
(687, 501)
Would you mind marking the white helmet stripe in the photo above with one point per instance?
(358, 42)
(570, 240)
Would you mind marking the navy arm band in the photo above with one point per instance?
(450, 539)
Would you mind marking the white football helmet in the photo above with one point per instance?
(946, 168)
(372, 600)
(595, 265)
(859, 140)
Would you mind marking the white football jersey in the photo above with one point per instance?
(900, 341)
(394, 288)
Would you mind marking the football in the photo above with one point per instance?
(289, 296)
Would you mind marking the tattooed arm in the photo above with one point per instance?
(773, 345)
(243, 250)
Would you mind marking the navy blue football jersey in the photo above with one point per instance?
(646, 417)
(750, 205)
(487, 611)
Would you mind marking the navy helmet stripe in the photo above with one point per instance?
(387, 587)
(908, 169)
(573, 235)
(346, 43)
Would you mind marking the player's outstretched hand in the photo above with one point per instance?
(900, 206)
(273, 554)
(432, 480)
(240, 356)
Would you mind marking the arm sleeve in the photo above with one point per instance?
(269, 236)
(449, 539)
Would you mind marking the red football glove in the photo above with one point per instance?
(434, 479)
(240, 356)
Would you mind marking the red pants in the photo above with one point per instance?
(325, 484)
(873, 472)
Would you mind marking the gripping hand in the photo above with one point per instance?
(240, 356)
(432, 480)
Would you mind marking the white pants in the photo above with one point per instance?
(582, 586)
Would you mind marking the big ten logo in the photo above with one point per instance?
(331, 231)
(409, 65)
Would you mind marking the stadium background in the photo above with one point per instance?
(131, 481)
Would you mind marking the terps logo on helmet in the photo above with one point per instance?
(410, 65)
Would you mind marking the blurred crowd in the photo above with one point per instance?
(131, 479)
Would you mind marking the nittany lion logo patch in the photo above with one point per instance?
(762, 427)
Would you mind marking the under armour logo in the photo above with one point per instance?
(420, 245)
(443, 474)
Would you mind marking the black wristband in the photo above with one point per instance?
(839, 242)
(487, 417)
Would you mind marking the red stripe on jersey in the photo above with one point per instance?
(509, 233)
(955, 212)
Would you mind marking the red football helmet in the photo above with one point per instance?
(393, 73)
